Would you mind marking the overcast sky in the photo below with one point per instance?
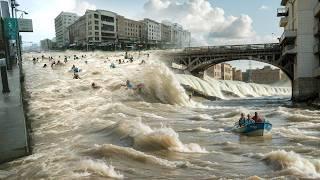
(211, 22)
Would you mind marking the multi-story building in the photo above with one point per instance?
(226, 71)
(300, 44)
(151, 31)
(78, 32)
(95, 28)
(61, 22)
(104, 28)
(266, 75)
(101, 27)
(47, 44)
(165, 34)
(215, 71)
(129, 31)
(179, 37)
(236, 74)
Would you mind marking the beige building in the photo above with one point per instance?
(129, 31)
(96, 28)
(300, 44)
(236, 74)
(226, 71)
(165, 34)
(78, 32)
(267, 75)
(61, 22)
(214, 71)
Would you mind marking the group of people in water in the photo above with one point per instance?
(249, 120)
(77, 70)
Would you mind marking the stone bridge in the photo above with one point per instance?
(198, 59)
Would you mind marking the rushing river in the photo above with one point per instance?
(113, 132)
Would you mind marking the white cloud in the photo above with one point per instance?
(208, 24)
(264, 7)
(43, 18)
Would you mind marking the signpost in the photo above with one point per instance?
(11, 28)
(25, 25)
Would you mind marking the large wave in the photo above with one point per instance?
(145, 138)
(225, 89)
(291, 163)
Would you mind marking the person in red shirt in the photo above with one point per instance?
(257, 118)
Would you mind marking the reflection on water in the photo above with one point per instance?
(114, 132)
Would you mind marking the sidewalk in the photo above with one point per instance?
(13, 134)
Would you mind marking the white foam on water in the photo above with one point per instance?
(218, 88)
(157, 139)
(99, 167)
(293, 164)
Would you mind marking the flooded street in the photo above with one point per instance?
(82, 132)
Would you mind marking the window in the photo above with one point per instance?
(107, 18)
(96, 16)
(96, 27)
(106, 27)
(107, 34)
(90, 28)
(96, 22)
(97, 38)
(96, 33)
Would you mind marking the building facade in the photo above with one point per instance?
(100, 28)
(61, 22)
(165, 34)
(226, 71)
(236, 74)
(47, 44)
(300, 44)
(78, 32)
(129, 31)
(215, 72)
(94, 28)
(151, 31)
(267, 75)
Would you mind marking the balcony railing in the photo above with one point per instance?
(283, 21)
(282, 12)
(316, 29)
(284, 2)
(289, 49)
(317, 10)
(288, 35)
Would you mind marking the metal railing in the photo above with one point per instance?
(288, 34)
(271, 46)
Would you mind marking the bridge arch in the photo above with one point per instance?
(198, 59)
(201, 67)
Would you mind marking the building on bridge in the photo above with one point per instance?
(300, 45)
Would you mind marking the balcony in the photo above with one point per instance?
(283, 21)
(284, 2)
(316, 72)
(289, 50)
(288, 36)
(317, 10)
(282, 12)
(316, 48)
(316, 29)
